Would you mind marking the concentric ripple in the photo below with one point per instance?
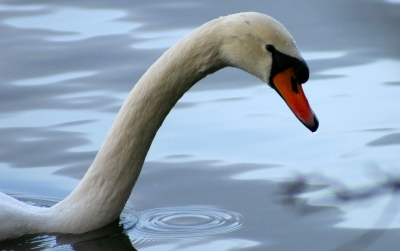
(189, 221)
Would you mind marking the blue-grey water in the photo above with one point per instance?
(231, 168)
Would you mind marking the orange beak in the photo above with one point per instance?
(286, 85)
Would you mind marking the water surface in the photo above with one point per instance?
(231, 168)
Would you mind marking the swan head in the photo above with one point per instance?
(262, 46)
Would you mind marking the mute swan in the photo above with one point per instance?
(250, 41)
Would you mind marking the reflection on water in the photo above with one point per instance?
(230, 143)
(111, 237)
(158, 40)
(53, 79)
(390, 139)
(101, 22)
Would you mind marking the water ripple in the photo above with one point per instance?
(183, 222)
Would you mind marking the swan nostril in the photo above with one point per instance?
(293, 82)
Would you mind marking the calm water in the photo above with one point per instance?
(231, 168)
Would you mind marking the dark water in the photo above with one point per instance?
(231, 168)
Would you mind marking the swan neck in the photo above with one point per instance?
(108, 183)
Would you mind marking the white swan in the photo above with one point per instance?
(253, 42)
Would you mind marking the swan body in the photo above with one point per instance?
(250, 41)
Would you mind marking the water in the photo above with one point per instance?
(231, 168)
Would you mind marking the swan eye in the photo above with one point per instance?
(270, 48)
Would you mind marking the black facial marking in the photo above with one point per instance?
(301, 71)
(293, 82)
(281, 62)
(270, 48)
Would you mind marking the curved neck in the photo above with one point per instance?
(107, 185)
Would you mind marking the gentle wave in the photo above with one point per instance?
(183, 222)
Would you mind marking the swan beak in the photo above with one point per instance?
(290, 90)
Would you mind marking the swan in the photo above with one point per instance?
(253, 42)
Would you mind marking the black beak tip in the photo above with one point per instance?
(314, 127)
